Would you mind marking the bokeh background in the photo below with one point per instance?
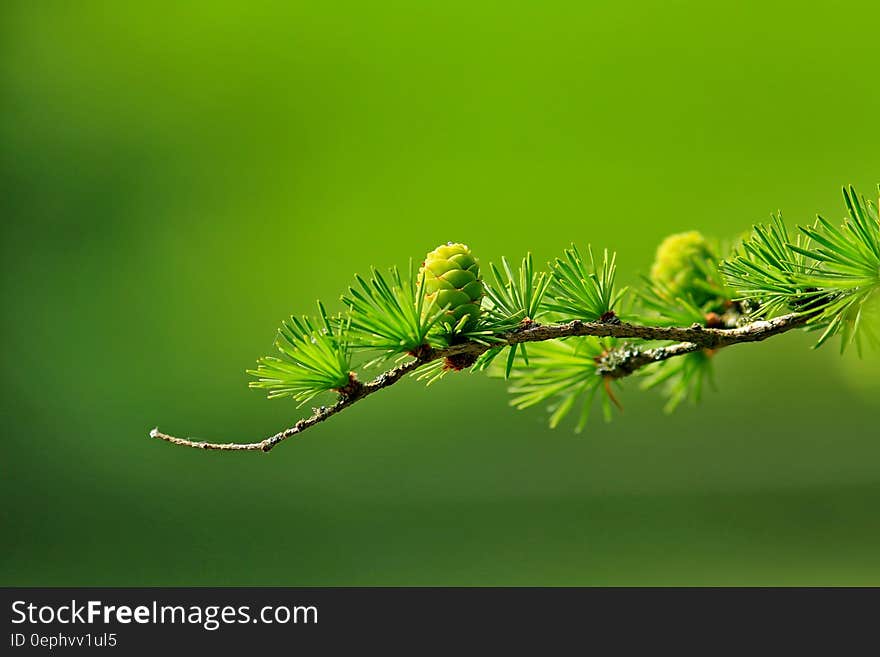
(176, 178)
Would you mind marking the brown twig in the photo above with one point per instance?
(625, 362)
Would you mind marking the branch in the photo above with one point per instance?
(628, 361)
(358, 392)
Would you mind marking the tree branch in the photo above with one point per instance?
(624, 364)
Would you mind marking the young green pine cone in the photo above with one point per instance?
(452, 277)
(675, 265)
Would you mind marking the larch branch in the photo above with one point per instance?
(630, 360)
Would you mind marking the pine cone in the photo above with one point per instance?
(675, 265)
(452, 277)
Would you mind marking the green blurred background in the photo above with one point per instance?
(178, 177)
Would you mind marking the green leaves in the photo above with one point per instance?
(848, 267)
(581, 291)
(518, 295)
(391, 315)
(515, 298)
(772, 271)
(565, 375)
(850, 254)
(314, 358)
(666, 306)
(829, 272)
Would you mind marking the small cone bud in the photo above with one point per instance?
(675, 264)
(452, 278)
